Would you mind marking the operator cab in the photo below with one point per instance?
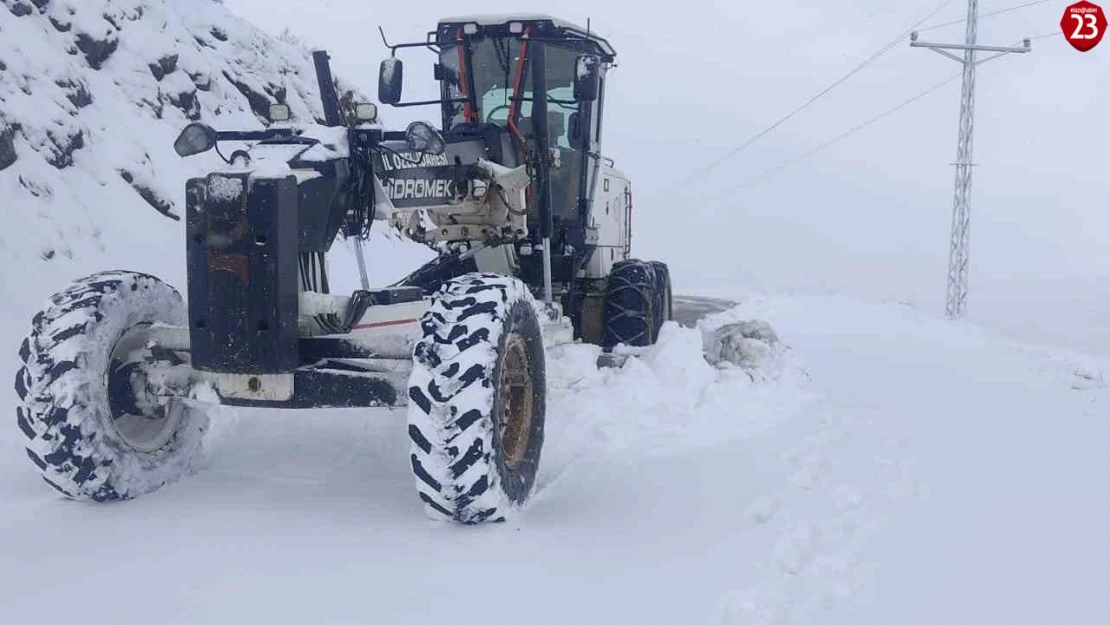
(487, 56)
(487, 85)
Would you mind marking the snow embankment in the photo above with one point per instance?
(667, 397)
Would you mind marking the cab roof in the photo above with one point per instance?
(546, 24)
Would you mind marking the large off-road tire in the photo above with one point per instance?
(629, 315)
(92, 430)
(664, 307)
(477, 399)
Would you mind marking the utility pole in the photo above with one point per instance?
(958, 253)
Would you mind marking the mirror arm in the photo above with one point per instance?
(394, 47)
(430, 102)
(392, 50)
(255, 135)
(216, 146)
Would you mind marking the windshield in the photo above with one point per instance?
(495, 63)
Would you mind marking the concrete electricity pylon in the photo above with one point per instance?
(961, 205)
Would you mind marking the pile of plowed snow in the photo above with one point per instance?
(668, 396)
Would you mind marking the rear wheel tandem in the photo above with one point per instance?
(94, 430)
(477, 400)
(664, 304)
(635, 304)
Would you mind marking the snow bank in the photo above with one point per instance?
(746, 344)
(665, 398)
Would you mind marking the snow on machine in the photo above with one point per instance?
(531, 224)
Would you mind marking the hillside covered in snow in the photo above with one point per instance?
(92, 95)
(95, 92)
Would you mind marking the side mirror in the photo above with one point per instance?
(366, 112)
(424, 139)
(390, 77)
(196, 138)
(577, 133)
(587, 78)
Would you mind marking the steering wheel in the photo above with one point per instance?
(489, 116)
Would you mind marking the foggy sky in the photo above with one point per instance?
(869, 217)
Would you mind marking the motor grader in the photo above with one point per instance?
(532, 229)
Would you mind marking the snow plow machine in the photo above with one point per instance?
(531, 223)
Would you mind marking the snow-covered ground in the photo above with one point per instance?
(886, 467)
(889, 467)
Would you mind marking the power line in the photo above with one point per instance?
(844, 135)
(887, 48)
(986, 15)
(747, 182)
(1054, 33)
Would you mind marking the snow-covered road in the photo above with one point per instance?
(955, 476)
(689, 310)
(895, 469)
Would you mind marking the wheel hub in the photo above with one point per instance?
(515, 393)
(144, 419)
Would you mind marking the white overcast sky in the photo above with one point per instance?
(871, 215)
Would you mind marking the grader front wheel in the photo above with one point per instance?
(93, 430)
(477, 399)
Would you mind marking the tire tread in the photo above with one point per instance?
(451, 447)
(63, 421)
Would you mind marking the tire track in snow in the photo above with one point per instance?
(823, 513)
